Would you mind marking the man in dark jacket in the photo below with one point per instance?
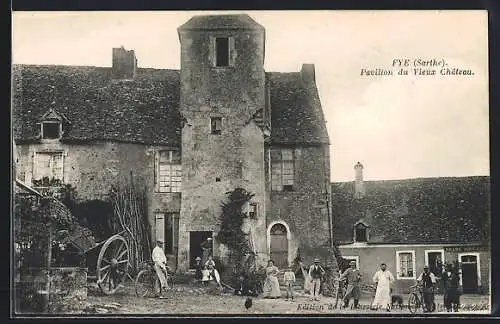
(316, 272)
(206, 247)
(428, 282)
(451, 281)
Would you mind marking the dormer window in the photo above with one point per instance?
(360, 232)
(51, 125)
(51, 129)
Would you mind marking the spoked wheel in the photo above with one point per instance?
(147, 284)
(413, 303)
(112, 264)
(170, 282)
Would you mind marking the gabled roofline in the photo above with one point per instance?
(52, 110)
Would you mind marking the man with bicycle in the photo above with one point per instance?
(160, 265)
(427, 281)
(353, 277)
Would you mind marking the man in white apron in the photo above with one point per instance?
(383, 278)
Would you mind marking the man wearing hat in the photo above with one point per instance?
(160, 264)
(315, 273)
(428, 281)
(206, 247)
(353, 278)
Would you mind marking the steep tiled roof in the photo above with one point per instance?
(221, 22)
(144, 110)
(296, 113)
(425, 210)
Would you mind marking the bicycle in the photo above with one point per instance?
(415, 301)
(340, 293)
(147, 283)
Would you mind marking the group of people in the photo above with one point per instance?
(205, 269)
(383, 279)
(313, 282)
(206, 272)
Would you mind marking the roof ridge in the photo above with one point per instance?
(87, 66)
(417, 178)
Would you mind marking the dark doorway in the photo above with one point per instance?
(469, 274)
(435, 263)
(279, 246)
(195, 240)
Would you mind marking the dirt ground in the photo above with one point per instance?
(192, 300)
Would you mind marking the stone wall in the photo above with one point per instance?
(305, 210)
(93, 167)
(216, 164)
(67, 291)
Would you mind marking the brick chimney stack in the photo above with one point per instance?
(124, 64)
(359, 187)
(308, 73)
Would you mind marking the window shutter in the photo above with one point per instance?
(211, 51)
(232, 51)
(156, 169)
(63, 154)
(160, 226)
(34, 170)
(176, 218)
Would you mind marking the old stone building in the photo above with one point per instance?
(220, 123)
(415, 222)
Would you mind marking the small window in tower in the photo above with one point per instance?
(216, 125)
(51, 130)
(253, 210)
(221, 51)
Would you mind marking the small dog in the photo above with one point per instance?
(397, 300)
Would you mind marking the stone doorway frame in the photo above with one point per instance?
(288, 238)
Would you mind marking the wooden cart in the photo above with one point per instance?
(107, 261)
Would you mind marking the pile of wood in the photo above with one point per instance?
(130, 215)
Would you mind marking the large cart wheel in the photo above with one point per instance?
(112, 264)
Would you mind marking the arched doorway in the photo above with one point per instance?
(278, 248)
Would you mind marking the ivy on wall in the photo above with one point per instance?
(230, 233)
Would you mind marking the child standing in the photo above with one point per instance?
(289, 278)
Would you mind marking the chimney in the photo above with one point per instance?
(307, 73)
(124, 64)
(359, 187)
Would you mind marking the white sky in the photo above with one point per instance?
(398, 127)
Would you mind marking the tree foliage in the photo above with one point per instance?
(36, 219)
(231, 233)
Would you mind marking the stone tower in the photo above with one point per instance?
(359, 187)
(222, 89)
